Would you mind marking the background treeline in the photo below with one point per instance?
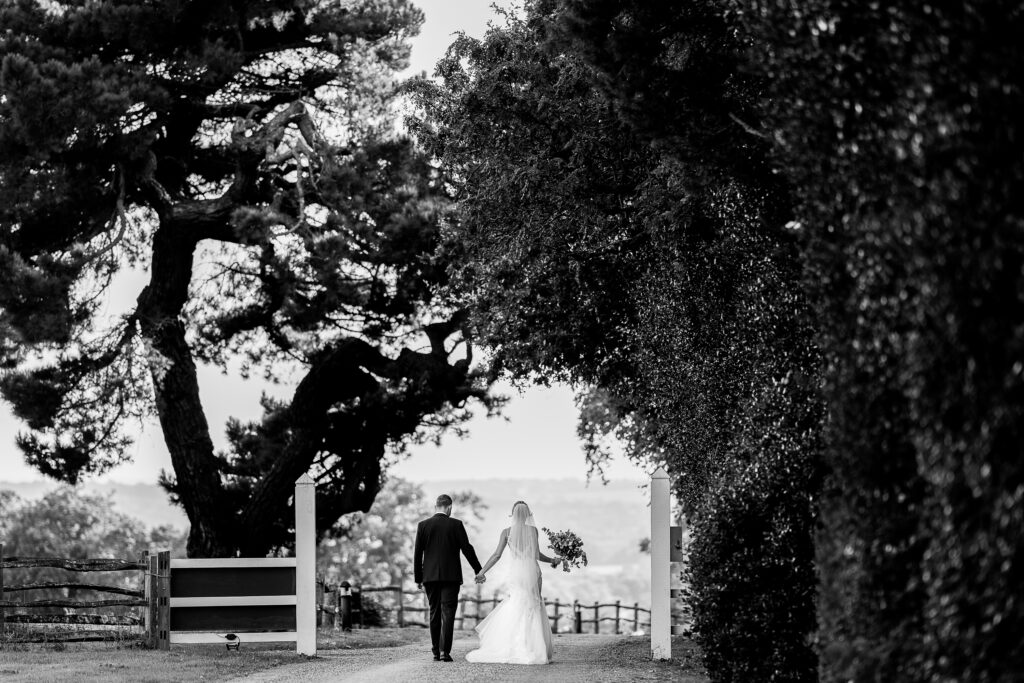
(784, 243)
(70, 524)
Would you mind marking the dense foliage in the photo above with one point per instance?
(899, 124)
(661, 274)
(242, 153)
(783, 243)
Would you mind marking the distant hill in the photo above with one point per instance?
(610, 519)
(145, 502)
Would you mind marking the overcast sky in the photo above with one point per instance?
(536, 438)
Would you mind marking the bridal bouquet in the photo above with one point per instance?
(568, 546)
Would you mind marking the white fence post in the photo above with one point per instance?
(661, 624)
(305, 566)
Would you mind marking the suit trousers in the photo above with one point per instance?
(443, 597)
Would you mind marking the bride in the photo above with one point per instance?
(517, 631)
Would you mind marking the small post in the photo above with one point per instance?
(344, 609)
(636, 617)
(163, 596)
(661, 630)
(321, 603)
(144, 611)
(618, 606)
(462, 614)
(597, 620)
(401, 607)
(477, 603)
(305, 566)
(577, 625)
(556, 615)
(356, 605)
(3, 622)
(153, 610)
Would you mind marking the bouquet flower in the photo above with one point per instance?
(568, 546)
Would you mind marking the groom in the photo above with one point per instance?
(438, 569)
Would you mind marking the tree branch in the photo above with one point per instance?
(747, 127)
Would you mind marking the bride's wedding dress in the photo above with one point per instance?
(517, 631)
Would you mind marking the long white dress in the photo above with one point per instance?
(517, 631)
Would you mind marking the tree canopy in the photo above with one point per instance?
(244, 154)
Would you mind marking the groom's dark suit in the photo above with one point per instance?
(436, 565)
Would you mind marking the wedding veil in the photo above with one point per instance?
(522, 534)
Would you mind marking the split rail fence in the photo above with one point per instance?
(409, 608)
(18, 607)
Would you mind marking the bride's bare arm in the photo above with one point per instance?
(497, 552)
(542, 557)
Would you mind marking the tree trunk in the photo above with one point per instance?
(185, 429)
(335, 377)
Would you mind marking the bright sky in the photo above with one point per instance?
(536, 438)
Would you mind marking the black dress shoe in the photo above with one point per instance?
(447, 658)
(437, 657)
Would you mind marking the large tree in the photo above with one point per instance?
(243, 154)
(611, 245)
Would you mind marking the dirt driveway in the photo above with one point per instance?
(578, 659)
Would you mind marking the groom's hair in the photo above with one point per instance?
(443, 501)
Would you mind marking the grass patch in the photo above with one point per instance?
(123, 661)
(329, 639)
(101, 662)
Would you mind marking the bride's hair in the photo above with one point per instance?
(521, 514)
(522, 537)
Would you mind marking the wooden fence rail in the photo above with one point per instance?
(58, 602)
(83, 586)
(86, 619)
(623, 617)
(100, 565)
(134, 598)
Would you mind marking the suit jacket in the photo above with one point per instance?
(438, 543)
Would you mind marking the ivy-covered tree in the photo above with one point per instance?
(641, 248)
(900, 124)
(242, 152)
(895, 127)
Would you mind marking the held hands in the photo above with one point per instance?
(555, 562)
(480, 578)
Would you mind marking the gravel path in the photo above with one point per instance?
(578, 659)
